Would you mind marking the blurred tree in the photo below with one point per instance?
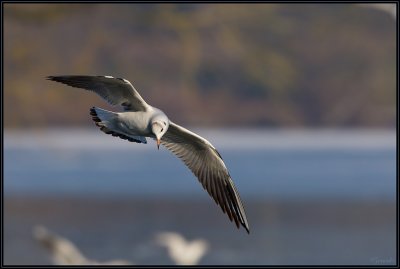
(277, 64)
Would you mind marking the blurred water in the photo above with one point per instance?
(274, 164)
(312, 197)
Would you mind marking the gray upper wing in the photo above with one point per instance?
(207, 165)
(117, 91)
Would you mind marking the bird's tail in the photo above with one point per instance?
(102, 117)
(106, 121)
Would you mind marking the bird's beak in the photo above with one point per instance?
(158, 143)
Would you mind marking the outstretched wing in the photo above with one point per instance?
(117, 91)
(207, 165)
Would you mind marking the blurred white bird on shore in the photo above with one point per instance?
(64, 252)
(181, 251)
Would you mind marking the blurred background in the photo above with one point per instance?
(299, 99)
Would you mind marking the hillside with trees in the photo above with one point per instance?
(269, 65)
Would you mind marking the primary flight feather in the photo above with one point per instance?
(140, 120)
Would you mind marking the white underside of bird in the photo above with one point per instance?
(182, 251)
(140, 120)
(64, 252)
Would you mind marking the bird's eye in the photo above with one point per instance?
(164, 123)
(162, 129)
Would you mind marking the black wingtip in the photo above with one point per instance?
(245, 226)
(94, 115)
(54, 78)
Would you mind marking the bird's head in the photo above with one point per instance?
(159, 127)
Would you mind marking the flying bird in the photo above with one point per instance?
(140, 120)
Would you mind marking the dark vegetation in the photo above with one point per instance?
(273, 65)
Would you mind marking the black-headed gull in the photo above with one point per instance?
(140, 120)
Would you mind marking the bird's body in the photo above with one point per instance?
(136, 123)
(133, 124)
(182, 251)
(140, 120)
(64, 252)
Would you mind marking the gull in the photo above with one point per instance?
(64, 252)
(183, 252)
(140, 120)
